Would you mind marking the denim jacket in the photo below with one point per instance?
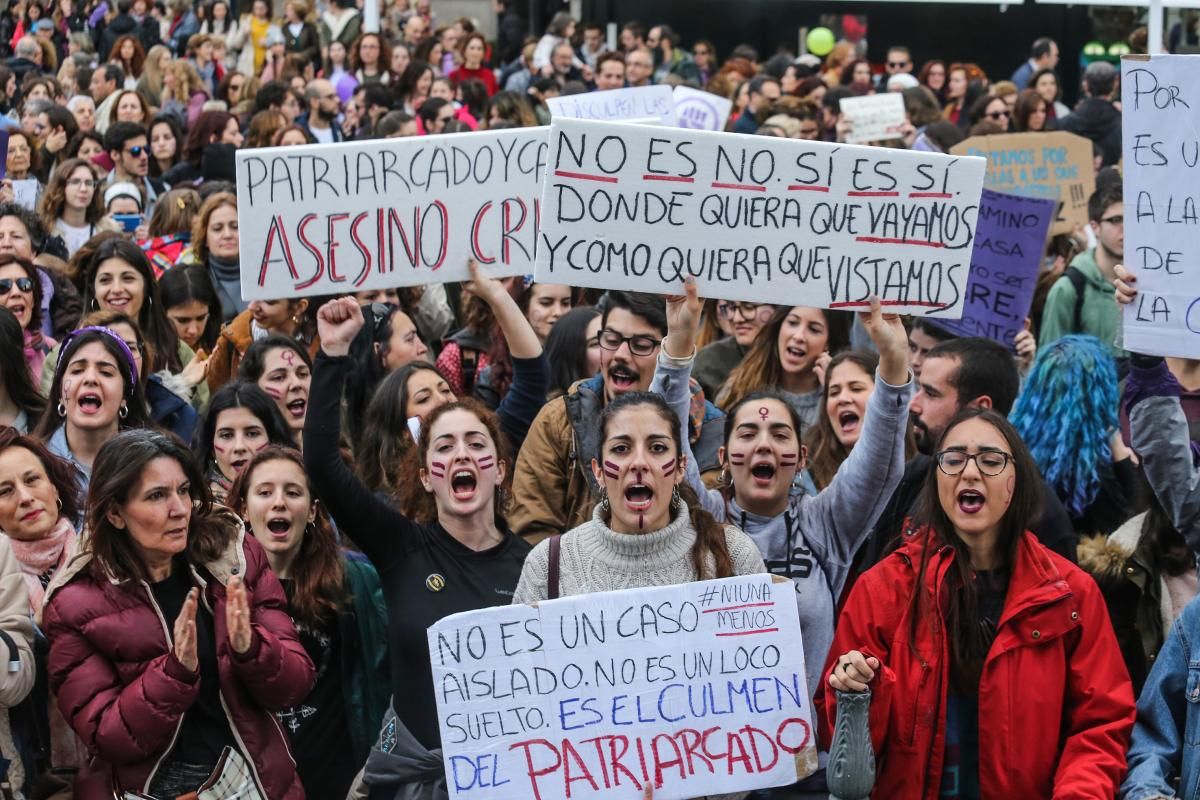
(1166, 737)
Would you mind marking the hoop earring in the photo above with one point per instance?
(123, 412)
(725, 479)
(677, 499)
(62, 410)
(59, 501)
(95, 305)
(605, 506)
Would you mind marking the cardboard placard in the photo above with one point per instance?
(617, 104)
(1009, 241)
(701, 111)
(757, 218)
(698, 688)
(1160, 115)
(876, 117)
(1052, 166)
(347, 217)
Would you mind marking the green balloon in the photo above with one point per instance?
(820, 41)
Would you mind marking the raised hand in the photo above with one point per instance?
(237, 615)
(338, 322)
(1026, 347)
(488, 289)
(185, 632)
(683, 320)
(891, 340)
(853, 672)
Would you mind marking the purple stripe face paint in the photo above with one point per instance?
(669, 466)
(485, 462)
(437, 469)
(789, 459)
(612, 470)
(737, 459)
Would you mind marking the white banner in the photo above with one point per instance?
(697, 688)
(617, 104)
(702, 111)
(1160, 116)
(353, 216)
(876, 117)
(757, 218)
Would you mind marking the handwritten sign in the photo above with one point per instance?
(617, 104)
(25, 193)
(1161, 112)
(353, 216)
(697, 688)
(701, 111)
(1009, 241)
(757, 218)
(876, 117)
(1053, 166)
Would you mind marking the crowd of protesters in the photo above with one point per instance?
(227, 525)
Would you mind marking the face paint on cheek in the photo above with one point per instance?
(217, 448)
(641, 521)
(789, 459)
(669, 467)
(273, 392)
(737, 459)
(612, 470)
(437, 469)
(485, 462)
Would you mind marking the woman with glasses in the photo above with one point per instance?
(21, 293)
(705, 56)
(981, 647)
(73, 207)
(717, 360)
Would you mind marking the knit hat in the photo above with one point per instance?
(902, 80)
(122, 189)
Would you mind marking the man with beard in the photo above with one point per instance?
(669, 59)
(323, 109)
(553, 485)
(1083, 300)
(956, 374)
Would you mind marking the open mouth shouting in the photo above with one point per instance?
(279, 527)
(763, 473)
(463, 484)
(297, 408)
(848, 421)
(621, 378)
(639, 497)
(970, 501)
(89, 403)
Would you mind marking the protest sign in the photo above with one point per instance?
(1160, 116)
(25, 193)
(876, 117)
(697, 688)
(617, 104)
(702, 111)
(353, 216)
(1054, 166)
(757, 218)
(1009, 240)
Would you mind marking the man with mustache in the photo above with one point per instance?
(956, 374)
(553, 485)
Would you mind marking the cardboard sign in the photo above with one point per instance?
(876, 117)
(1052, 166)
(617, 104)
(347, 217)
(701, 111)
(757, 218)
(697, 688)
(1009, 241)
(1160, 100)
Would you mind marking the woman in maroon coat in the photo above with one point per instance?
(170, 639)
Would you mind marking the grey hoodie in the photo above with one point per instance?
(814, 541)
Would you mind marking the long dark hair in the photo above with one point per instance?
(380, 452)
(184, 284)
(969, 642)
(151, 318)
(367, 358)
(115, 474)
(254, 362)
(710, 534)
(825, 451)
(171, 122)
(318, 575)
(14, 369)
(60, 471)
(31, 272)
(241, 394)
(138, 415)
(566, 349)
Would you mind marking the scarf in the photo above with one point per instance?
(44, 555)
(35, 354)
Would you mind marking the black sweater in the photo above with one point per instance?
(408, 556)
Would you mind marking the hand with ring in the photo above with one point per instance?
(853, 672)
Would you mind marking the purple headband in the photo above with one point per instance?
(109, 332)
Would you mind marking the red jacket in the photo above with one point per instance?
(1056, 705)
(121, 688)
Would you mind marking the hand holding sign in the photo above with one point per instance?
(683, 321)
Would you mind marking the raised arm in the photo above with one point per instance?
(374, 525)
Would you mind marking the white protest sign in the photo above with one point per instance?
(876, 117)
(757, 218)
(698, 688)
(353, 216)
(25, 193)
(701, 111)
(1160, 117)
(617, 104)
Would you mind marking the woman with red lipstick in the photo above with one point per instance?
(1011, 684)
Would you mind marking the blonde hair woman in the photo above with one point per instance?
(150, 85)
(183, 91)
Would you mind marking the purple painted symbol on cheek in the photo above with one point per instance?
(612, 470)
(437, 469)
(218, 448)
(737, 459)
(788, 459)
(485, 462)
(669, 466)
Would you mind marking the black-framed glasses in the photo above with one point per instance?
(640, 345)
(990, 462)
(1115, 219)
(747, 310)
(138, 150)
(23, 284)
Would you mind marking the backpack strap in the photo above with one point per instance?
(552, 575)
(1078, 282)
